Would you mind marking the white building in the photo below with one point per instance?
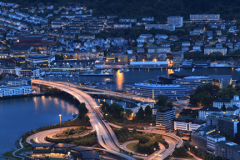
(211, 142)
(187, 124)
(205, 111)
(204, 17)
(235, 101)
(15, 87)
(160, 26)
(175, 20)
(227, 102)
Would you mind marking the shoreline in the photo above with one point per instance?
(17, 142)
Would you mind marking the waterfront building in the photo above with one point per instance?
(178, 58)
(153, 90)
(164, 119)
(187, 124)
(199, 137)
(63, 151)
(175, 20)
(204, 17)
(212, 139)
(149, 64)
(21, 72)
(192, 82)
(41, 61)
(227, 150)
(222, 81)
(15, 87)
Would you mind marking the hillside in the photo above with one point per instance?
(158, 8)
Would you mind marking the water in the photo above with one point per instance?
(19, 115)
(137, 75)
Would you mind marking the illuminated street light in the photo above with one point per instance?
(60, 119)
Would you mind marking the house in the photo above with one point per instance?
(148, 18)
(49, 5)
(128, 20)
(161, 36)
(186, 44)
(122, 25)
(197, 48)
(204, 17)
(146, 36)
(178, 58)
(177, 21)
(173, 38)
(157, 49)
(140, 50)
(160, 26)
(214, 50)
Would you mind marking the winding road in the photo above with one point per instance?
(106, 137)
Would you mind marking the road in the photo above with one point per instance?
(106, 137)
(111, 93)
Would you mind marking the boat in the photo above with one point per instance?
(177, 70)
(104, 71)
(237, 69)
(126, 70)
(70, 75)
(193, 69)
(109, 70)
(121, 70)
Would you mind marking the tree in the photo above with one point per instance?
(161, 100)
(180, 152)
(140, 114)
(161, 107)
(116, 110)
(128, 113)
(105, 107)
(169, 105)
(47, 158)
(178, 134)
(207, 100)
(148, 111)
(82, 110)
(223, 107)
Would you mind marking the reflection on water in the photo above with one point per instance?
(119, 80)
(124, 104)
(170, 71)
(19, 115)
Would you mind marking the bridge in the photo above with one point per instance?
(106, 137)
(108, 92)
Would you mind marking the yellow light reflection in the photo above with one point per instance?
(170, 71)
(120, 80)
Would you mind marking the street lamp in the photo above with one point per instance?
(60, 119)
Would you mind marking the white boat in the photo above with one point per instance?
(71, 76)
(126, 70)
(237, 69)
(109, 70)
(177, 70)
(104, 71)
(121, 70)
(193, 69)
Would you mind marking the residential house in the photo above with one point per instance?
(178, 58)
(177, 21)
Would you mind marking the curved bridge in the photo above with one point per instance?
(106, 137)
